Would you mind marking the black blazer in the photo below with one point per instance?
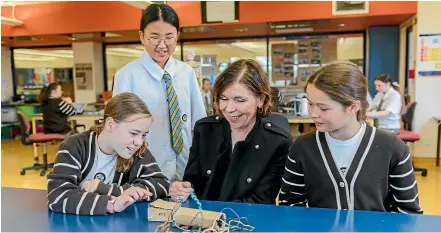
(256, 169)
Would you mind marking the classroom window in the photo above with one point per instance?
(210, 58)
(34, 68)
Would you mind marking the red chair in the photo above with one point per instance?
(29, 139)
(407, 135)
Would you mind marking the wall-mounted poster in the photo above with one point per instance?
(63, 75)
(84, 76)
(303, 75)
(303, 53)
(283, 58)
(430, 56)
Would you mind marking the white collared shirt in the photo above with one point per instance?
(392, 103)
(143, 77)
(209, 98)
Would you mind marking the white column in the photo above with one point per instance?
(427, 89)
(88, 54)
(7, 88)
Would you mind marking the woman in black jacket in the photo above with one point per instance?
(236, 155)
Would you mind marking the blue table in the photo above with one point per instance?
(26, 210)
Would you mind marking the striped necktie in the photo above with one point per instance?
(376, 120)
(174, 114)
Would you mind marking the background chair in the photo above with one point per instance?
(29, 139)
(407, 135)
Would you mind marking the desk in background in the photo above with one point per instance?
(295, 119)
(26, 210)
(86, 116)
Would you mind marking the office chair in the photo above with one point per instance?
(39, 138)
(407, 135)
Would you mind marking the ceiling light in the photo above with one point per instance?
(198, 29)
(341, 25)
(11, 21)
(111, 34)
(294, 30)
(121, 54)
(34, 59)
(241, 29)
(33, 52)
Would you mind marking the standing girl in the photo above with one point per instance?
(108, 168)
(347, 164)
(386, 106)
(167, 86)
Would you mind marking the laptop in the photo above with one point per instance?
(79, 107)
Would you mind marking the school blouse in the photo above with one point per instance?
(379, 178)
(391, 101)
(143, 77)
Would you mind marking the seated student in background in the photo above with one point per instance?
(207, 97)
(108, 168)
(347, 164)
(236, 155)
(56, 109)
(387, 104)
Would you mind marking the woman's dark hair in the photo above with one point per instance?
(249, 73)
(159, 12)
(386, 79)
(46, 91)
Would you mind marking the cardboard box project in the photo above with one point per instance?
(164, 211)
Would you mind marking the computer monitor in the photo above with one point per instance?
(79, 107)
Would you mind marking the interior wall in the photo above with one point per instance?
(427, 89)
(384, 50)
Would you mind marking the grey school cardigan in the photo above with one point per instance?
(380, 177)
(74, 161)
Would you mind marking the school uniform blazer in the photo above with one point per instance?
(256, 167)
(380, 177)
(75, 159)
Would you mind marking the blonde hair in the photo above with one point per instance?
(344, 83)
(249, 73)
(120, 108)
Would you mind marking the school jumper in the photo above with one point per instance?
(76, 158)
(379, 178)
(55, 114)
